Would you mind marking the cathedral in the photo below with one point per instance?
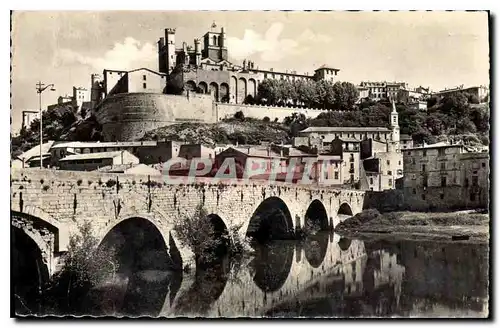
(205, 68)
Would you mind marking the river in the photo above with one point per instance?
(324, 276)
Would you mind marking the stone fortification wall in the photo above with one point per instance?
(128, 116)
(228, 110)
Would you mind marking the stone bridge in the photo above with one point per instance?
(48, 206)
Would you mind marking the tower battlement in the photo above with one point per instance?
(170, 30)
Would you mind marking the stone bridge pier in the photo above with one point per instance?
(134, 212)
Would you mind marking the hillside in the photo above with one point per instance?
(249, 131)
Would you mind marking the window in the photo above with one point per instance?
(443, 181)
(336, 175)
(475, 180)
(424, 182)
(399, 162)
(483, 164)
(443, 166)
(441, 151)
(388, 162)
(389, 172)
(352, 166)
(414, 191)
(352, 177)
(441, 196)
(390, 183)
(472, 196)
(424, 153)
(144, 85)
(423, 197)
(371, 180)
(423, 167)
(466, 183)
(413, 160)
(144, 77)
(265, 75)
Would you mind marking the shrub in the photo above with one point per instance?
(266, 119)
(239, 116)
(110, 183)
(198, 233)
(85, 266)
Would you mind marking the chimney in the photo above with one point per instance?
(248, 150)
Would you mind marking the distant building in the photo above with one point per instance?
(141, 80)
(445, 176)
(364, 93)
(383, 90)
(190, 151)
(148, 152)
(28, 117)
(31, 157)
(406, 141)
(206, 68)
(481, 92)
(79, 99)
(418, 105)
(382, 150)
(93, 161)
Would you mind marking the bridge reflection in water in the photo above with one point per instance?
(325, 275)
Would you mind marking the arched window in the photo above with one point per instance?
(220, 40)
(215, 40)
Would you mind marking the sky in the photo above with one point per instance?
(433, 49)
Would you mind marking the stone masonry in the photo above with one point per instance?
(60, 201)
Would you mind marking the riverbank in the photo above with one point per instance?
(457, 227)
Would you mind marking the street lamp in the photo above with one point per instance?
(40, 87)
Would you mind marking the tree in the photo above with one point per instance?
(345, 95)
(175, 81)
(268, 91)
(86, 265)
(266, 119)
(307, 92)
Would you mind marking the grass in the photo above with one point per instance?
(372, 218)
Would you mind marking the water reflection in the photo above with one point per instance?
(322, 276)
(315, 248)
(271, 265)
(207, 287)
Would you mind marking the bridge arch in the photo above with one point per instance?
(316, 218)
(141, 245)
(270, 221)
(344, 212)
(29, 269)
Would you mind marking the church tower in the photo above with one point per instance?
(166, 52)
(395, 125)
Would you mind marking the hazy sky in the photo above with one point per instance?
(436, 49)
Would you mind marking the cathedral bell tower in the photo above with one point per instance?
(395, 125)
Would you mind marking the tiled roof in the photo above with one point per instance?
(79, 144)
(108, 154)
(35, 151)
(344, 129)
(257, 152)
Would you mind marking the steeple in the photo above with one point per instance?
(394, 123)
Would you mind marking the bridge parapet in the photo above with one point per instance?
(68, 198)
